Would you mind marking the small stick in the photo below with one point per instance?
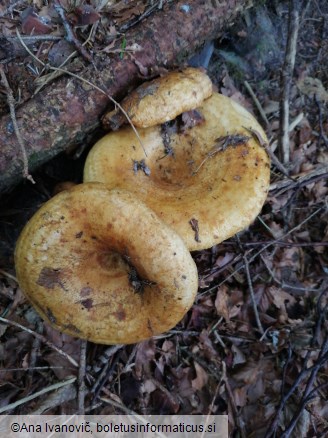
(70, 36)
(322, 130)
(257, 103)
(221, 145)
(34, 353)
(251, 290)
(302, 180)
(81, 377)
(286, 79)
(238, 420)
(37, 394)
(264, 248)
(6, 274)
(11, 104)
(42, 339)
(272, 156)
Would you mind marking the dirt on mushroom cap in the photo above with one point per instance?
(209, 178)
(75, 260)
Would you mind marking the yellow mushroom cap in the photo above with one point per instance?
(163, 98)
(210, 188)
(100, 265)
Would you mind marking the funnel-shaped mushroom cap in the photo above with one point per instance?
(212, 185)
(163, 99)
(100, 265)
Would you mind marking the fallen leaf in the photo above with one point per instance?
(201, 377)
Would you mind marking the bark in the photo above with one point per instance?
(67, 110)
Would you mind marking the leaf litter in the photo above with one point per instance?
(215, 360)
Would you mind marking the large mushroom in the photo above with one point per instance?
(208, 181)
(100, 265)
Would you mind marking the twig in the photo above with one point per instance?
(265, 247)
(251, 290)
(34, 38)
(322, 130)
(297, 289)
(277, 242)
(257, 103)
(37, 394)
(104, 377)
(81, 377)
(313, 370)
(239, 422)
(87, 82)
(105, 358)
(42, 339)
(141, 17)
(286, 79)
(256, 135)
(6, 274)
(70, 36)
(34, 352)
(300, 180)
(42, 81)
(220, 145)
(5, 370)
(11, 104)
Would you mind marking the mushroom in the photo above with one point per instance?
(100, 265)
(210, 183)
(162, 99)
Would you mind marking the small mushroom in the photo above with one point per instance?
(162, 99)
(210, 186)
(100, 265)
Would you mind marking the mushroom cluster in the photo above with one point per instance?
(205, 174)
(109, 260)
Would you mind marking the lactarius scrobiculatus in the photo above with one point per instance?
(100, 265)
(205, 174)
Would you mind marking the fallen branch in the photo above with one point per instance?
(64, 113)
(286, 79)
(11, 104)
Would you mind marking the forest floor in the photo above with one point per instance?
(255, 343)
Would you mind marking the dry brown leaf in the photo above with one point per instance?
(221, 303)
(228, 303)
(201, 377)
(238, 356)
(144, 356)
(240, 396)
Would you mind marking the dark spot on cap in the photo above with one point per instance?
(79, 235)
(85, 291)
(120, 315)
(87, 304)
(49, 278)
